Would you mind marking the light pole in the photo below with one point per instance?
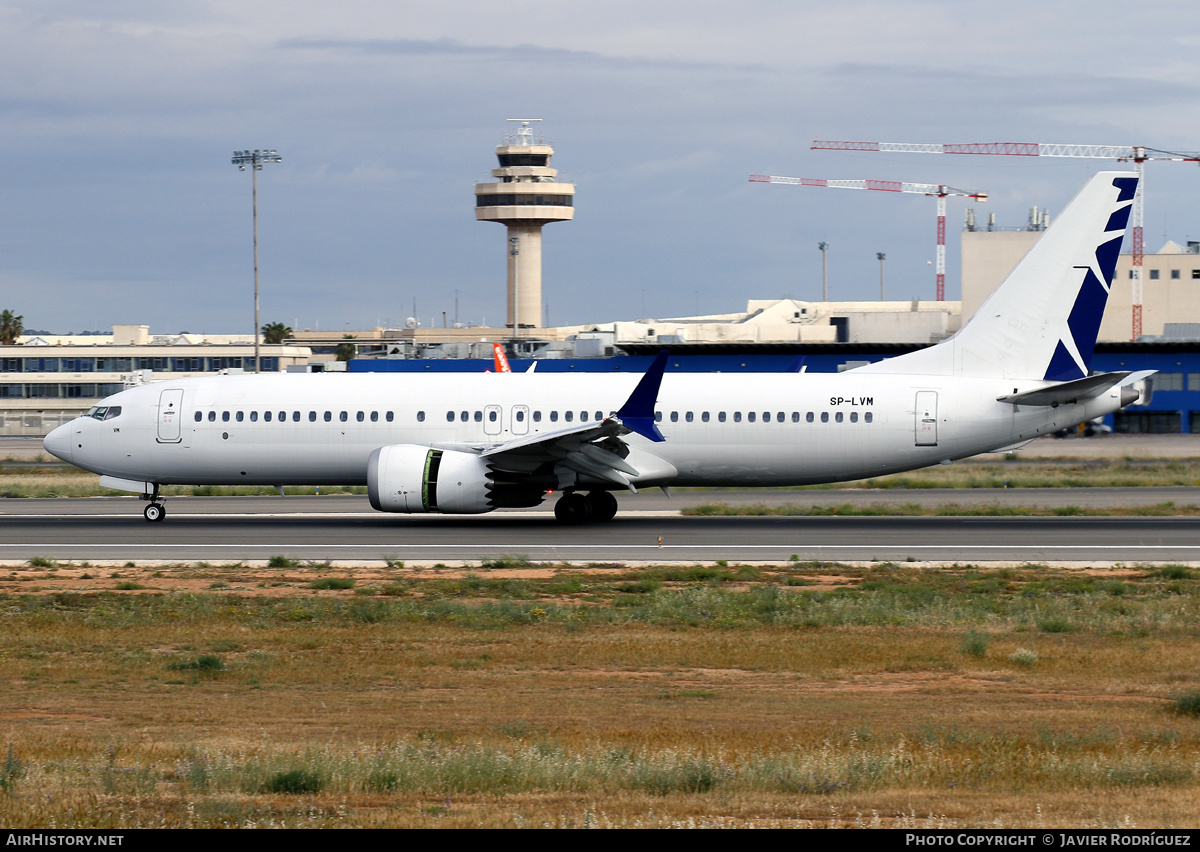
(255, 159)
(824, 247)
(881, 257)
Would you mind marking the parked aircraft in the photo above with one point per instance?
(469, 443)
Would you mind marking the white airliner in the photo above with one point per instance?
(471, 443)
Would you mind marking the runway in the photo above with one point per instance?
(346, 529)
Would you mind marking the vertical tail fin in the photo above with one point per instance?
(1043, 319)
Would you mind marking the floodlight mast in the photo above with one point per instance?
(255, 160)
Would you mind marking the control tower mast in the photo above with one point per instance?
(526, 197)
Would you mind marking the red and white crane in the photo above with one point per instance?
(941, 191)
(1136, 154)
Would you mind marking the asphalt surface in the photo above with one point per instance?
(647, 528)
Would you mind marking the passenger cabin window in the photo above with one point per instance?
(492, 415)
(478, 416)
(389, 417)
(240, 416)
(809, 417)
(360, 417)
(253, 416)
(674, 416)
(266, 416)
(824, 416)
(343, 416)
(212, 417)
(721, 416)
(750, 415)
(375, 416)
(568, 416)
(737, 417)
(295, 416)
(312, 417)
(328, 416)
(420, 416)
(199, 416)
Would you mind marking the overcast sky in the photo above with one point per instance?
(119, 204)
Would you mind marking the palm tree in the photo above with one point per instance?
(275, 332)
(11, 327)
(346, 351)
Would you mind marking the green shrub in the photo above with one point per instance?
(295, 781)
(1188, 702)
(1023, 657)
(204, 664)
(975, 643)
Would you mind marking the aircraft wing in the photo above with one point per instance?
(591, 449)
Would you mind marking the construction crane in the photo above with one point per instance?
(1136, 154)
(941, 191)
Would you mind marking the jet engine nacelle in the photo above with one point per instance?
(414, 479)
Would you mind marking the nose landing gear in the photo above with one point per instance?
(155, 510)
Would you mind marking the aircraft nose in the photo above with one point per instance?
(58, 442)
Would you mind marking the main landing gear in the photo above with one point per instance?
(155, 510)
(576, 508)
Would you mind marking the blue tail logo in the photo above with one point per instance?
(1073, 356)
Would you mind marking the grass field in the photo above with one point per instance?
(63, 480)
(511, 694)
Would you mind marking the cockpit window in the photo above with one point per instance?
(104, 412)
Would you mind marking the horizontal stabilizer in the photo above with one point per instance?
(1074, 391)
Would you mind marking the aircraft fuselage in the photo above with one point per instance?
(720, 429)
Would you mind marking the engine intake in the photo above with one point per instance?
(412, 479)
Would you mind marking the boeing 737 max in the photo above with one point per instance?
(470, 443)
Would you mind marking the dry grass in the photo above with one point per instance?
(63, 480)
(1167, 508)
(568, 695)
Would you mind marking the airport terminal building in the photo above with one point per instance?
(48, 380)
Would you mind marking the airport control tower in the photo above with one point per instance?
(526, 197)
